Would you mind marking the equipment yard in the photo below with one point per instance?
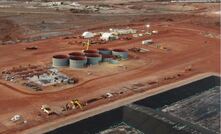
(62, 61)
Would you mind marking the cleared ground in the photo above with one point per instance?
(184, 34)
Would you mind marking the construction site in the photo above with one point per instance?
(66, 64)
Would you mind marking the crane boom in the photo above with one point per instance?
(87, 44)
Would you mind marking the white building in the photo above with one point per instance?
(108, 36)
(155, 32)
(148, 26)
(88, 35)
(123, 31)
(75, 4)
(147, 42)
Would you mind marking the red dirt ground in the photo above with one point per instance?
(187, 43)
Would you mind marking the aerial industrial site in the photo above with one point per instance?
(110, 67)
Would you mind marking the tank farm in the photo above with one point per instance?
(88, 57)
(110, 67)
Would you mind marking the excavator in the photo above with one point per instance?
(75, 103)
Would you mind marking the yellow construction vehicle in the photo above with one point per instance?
(87, 44)
(46, 109)
(73, 104)
(77, 103)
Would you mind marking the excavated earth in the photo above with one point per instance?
(183, 33)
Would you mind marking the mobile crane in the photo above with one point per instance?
(87, 44)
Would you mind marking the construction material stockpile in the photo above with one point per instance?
(88, 57)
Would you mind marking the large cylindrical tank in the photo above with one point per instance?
(60, 60)
(93, 59)
(76, 54)
(121, 53)
(107, 58)
(91, 51)
(105, 51)
(77, 62)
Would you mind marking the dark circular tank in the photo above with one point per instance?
(104, 51)
(78, 62)
(93, 58)
(91, 51)
(76, 54)
(107, 58)
(121, 53)
(60, 60)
